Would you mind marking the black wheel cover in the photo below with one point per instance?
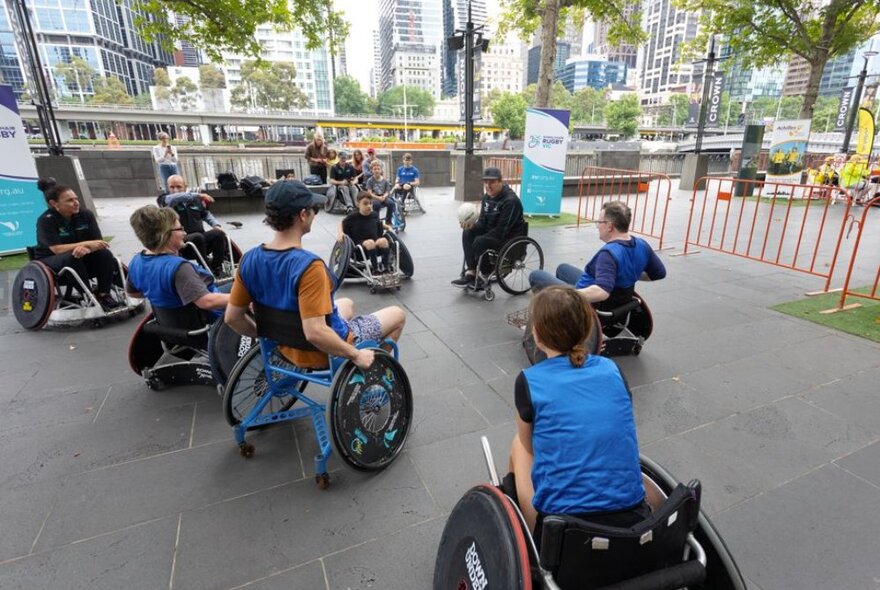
(340, 258)
(405, 262)
(483, 545)
(33, 295)
(641, 322)
(225, 347)
(144, 350)
(519, 257)
(370, 412)
(246, 384)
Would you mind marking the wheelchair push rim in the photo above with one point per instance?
(33, 295)
(246, 386)
(515, 263)
(370, 412)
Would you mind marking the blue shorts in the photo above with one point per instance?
(366, 327)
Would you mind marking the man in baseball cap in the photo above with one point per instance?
(285, 277)
(501, 218)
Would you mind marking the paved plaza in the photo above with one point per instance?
(105, 484)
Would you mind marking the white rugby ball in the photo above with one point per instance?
(468, 213)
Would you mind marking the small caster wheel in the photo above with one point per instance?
(636, 349)
(323, 480)
(372, 290)
(154, 384)
(489, 295)
(246, 450)
(398, 287)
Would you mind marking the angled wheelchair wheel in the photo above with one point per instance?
(340, 258)
(641, 322)
(245, 387)
(483, 544)
(405, 261)
(225, 347)
(370, 412)
(33, 295)
(519, 257)
(144, 349)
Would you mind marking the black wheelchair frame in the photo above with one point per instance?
(511, 265)
(350, 262)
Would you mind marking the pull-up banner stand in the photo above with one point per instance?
(21, 202)
(543, 171)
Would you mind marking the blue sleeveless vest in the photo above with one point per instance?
(272, 279)
(153, 275)
(631, 257)
(584, 438)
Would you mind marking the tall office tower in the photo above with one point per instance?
(312, 65)
(10, 65)
(375, 71)
(187, 55)
(410, 35)
(101, 32)
(616, 53)
(592, 71)
(341, 62)
(502, 66)
(533, 64)
(455, 16)
(660, 71)
(835, 77)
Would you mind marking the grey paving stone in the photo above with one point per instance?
(22, 513)
(104, 500)
(495, 408)
(438, 416)
(853, 397)
(308, 576)
(135, 558)
(807, 540)
(864, 463)
(403, 560)
(670, 407)
(254, 535)
(44, 407)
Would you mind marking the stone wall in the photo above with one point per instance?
(435, 167)
(122, 173)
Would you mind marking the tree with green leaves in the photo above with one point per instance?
(622, 115)
(350, 99)
(764, 32)
(588, 105)
(110, 90)
(231, 25)
(825, 113)
(77, 75)
(184, 93)
(526, 16)
(767, 107)
(509, 112)
(160, 77)
(269, 86)
(419, 103)
(210, 76)
(675, 113)
(560, 97)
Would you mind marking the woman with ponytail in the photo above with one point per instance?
(576, 450)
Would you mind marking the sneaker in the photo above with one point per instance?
(107, 302)
(480, 285)
(463, 281)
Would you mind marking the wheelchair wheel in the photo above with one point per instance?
(405, 262)
(370, 412)
(33, 295)
(641, 322)
(519, 257)
(340, 258)
(483, 541)
(246, 385)
(225, 347)
(144, 349)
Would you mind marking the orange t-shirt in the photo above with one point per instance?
(315, 299)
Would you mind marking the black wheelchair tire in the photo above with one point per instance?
(340, 258)
(246, 376)
(225, 348)
(405, 261)
(517, 282)
(642, 323)
(360, 444)
(34, 288)
(144, 349)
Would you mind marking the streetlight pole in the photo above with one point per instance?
(469, 85)
(854, 110)
(701, 123)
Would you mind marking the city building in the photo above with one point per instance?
(410, 34)
(187, 55)
(627, 54)
(502, 66)
(375, 71)
(455, 17)
(591, 71)
(101, 32)
(533, 65)
(313, 66)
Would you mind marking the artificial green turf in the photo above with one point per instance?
(862, 321)
(16, 261)
(547, 221)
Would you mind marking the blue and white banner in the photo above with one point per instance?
(546, 142)
(21, 202)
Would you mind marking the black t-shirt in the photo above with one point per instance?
(53, 229)
(340, 172)
(192, 215)
(362, 227)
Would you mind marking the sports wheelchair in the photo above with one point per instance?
(350, 263)
(184, 346)
(370, 411)
(487, 543)
(511, 266)
(230, 261)
(335, 203)
(408, 202)
(40, 296)
(624, 330)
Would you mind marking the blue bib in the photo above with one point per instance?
(631, 257)
(153, 275)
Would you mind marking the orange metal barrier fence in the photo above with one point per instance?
(647, 195)
(783, 224)
(511, 170)
(847, 291)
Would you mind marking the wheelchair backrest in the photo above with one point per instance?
(173, 324)
(582, 555)
(619, 302)
(283, 326)
(31, 252)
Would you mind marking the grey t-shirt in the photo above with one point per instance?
(189, 285)
(379, 187)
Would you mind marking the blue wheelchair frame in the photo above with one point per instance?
(285, 386)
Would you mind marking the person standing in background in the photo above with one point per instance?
(316, 155)
(165, 156)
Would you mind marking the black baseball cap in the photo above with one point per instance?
(291, 196)
(492, 173)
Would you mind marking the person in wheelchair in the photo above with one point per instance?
(501, 218)
(283, 276)
(68, 235)
(609, 278)
(168, 280)
(379, 188)
(576, 451)
(406, 181)
(191, 208)
(343, 182)
(366, 230)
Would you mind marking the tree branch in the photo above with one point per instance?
(796, 19)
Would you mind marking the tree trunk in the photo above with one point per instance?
(549, 26)
(816, 68)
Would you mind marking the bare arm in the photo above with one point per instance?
(322, 336)
(212, 301)
(80, 249)
(237, 319)
(594, 293)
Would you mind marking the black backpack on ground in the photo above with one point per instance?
(253, 185)
(227, 181)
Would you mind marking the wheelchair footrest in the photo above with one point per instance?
(620, 346)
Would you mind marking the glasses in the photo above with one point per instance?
(601, 221)
(183, 229)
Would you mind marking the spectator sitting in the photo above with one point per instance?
(365, 229)
(190, 207)
(368, 164)
(342, 182)
(379, 188)
(332, 158)
(360, 168)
